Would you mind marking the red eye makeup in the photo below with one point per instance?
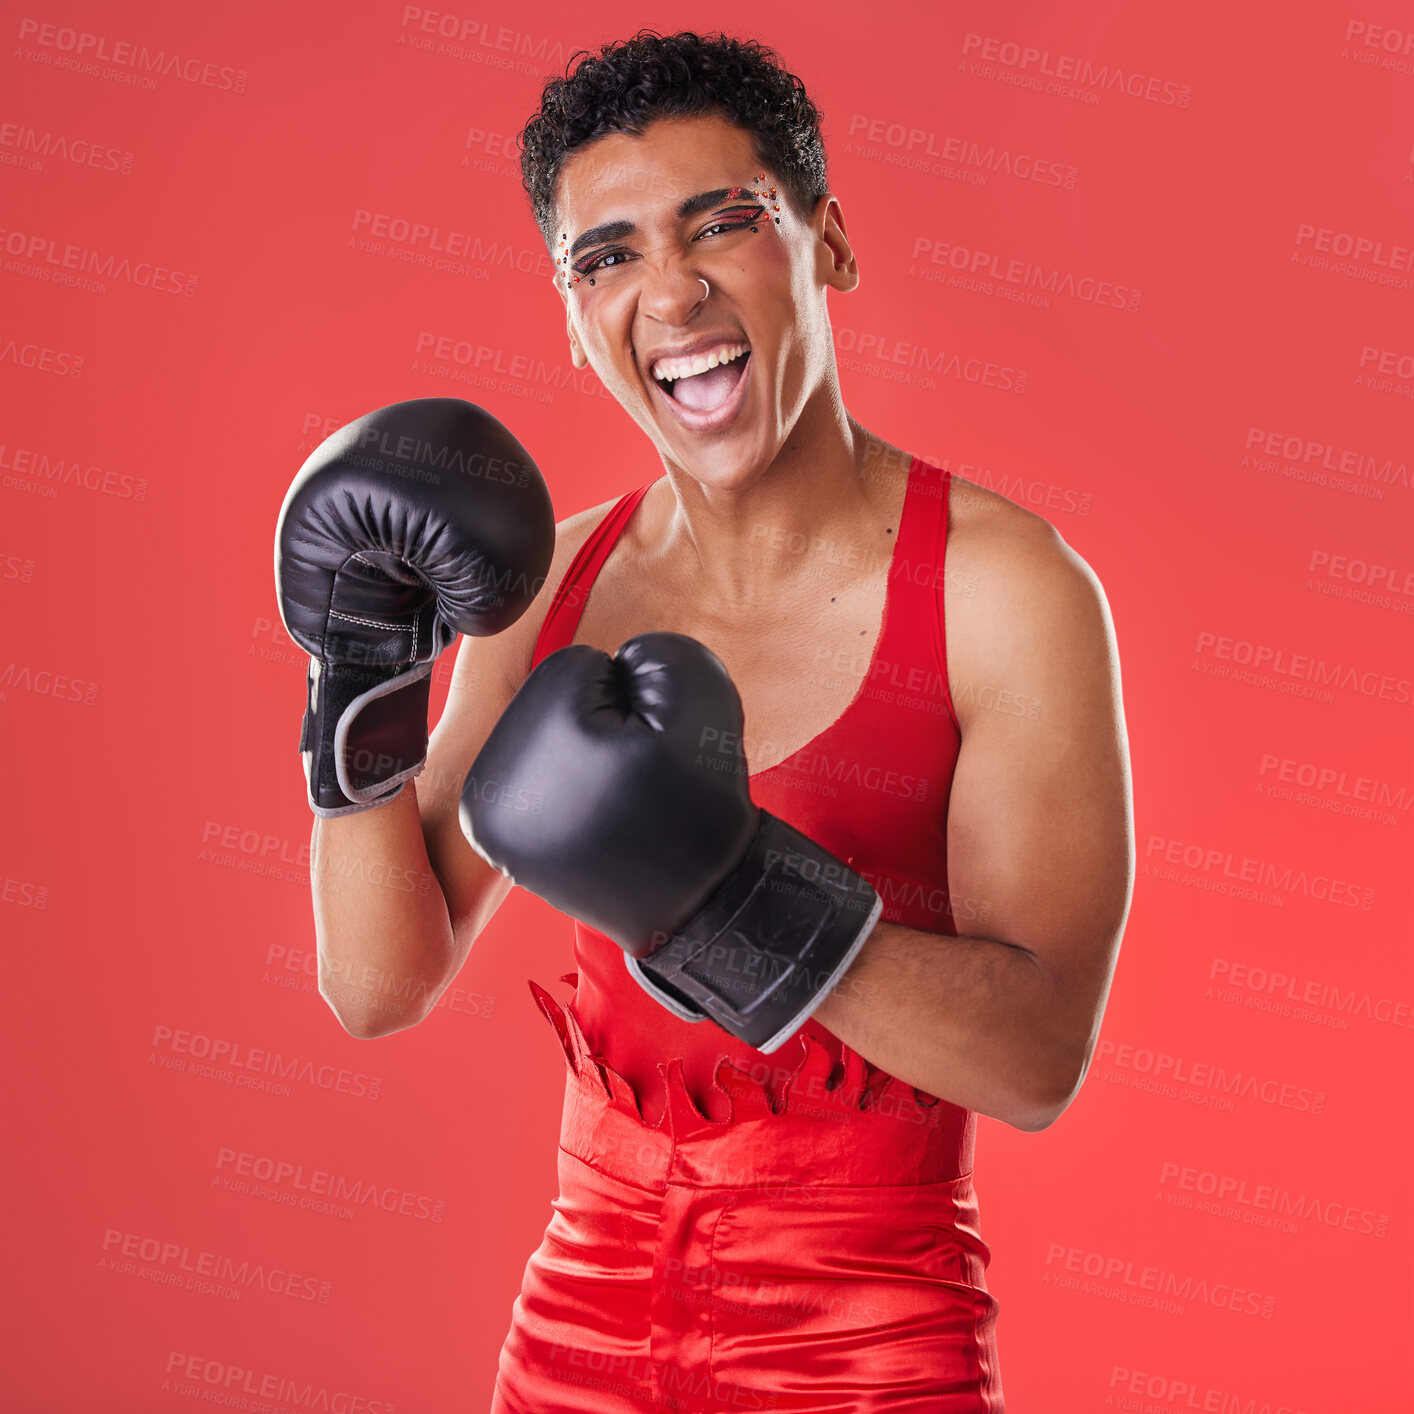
(760, 191)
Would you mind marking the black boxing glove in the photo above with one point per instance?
(417, 522)
(616, 790)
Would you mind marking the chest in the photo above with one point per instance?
(798, 658)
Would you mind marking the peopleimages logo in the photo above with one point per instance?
(84, 52)
(56, 260)
(252, 1067)
(1357, 247)
(437, 244)
(1029, 65)
(1311, 459)
(21, 145)
(1265, 1204)
(53, 471)
(1273, 664)
(1289, 994)
(1131, 1387)
(43, 359)
(918, 149)
(1371, 575)
(1223, 872)
(1334, 781)
(170, 1262)
(45, 682)
(234, 1386)
(23, 894)
(473, 41)
(320, 1190)
(901, 361)
(1168, 1072)
(988, 272)
(1122, 1279)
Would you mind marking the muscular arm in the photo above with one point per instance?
(399, 895)
(1040, 839)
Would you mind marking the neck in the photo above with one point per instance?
(818, 517)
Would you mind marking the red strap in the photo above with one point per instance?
(560, 623)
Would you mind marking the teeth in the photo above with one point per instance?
(669, 370)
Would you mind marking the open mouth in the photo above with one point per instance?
(708, 391)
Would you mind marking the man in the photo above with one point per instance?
(790, 1225)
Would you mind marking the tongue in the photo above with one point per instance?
(706, 392)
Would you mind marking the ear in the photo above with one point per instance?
(835, 260)
(577, 355)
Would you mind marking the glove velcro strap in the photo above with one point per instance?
(766, 948)
(662, 993)
(364, 734)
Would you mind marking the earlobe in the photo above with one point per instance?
(577, 356)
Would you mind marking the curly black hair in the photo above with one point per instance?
(631, 82)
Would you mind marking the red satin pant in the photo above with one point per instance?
(804, 1260)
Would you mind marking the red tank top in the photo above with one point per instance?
(872, 788)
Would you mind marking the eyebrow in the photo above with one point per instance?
(616, 230)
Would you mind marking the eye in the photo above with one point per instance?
(745, 216)
(589, 267)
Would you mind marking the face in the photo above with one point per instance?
(645, 220)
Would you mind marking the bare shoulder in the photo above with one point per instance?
(990, 534)
(1019, 598)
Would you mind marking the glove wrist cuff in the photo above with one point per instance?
(766, 948)
(364, 734)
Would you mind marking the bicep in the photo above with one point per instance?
(483, 682)
(488, 672)
(1040, 833)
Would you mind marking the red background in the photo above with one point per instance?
(153, 878)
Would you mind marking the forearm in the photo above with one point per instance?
(386, 948)
(970, 1020)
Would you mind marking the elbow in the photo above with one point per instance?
(1034, 1116)
(363, 1026)
(1050, 1097)
(367, 1019)
(1034, 1120)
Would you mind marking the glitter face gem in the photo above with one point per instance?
(571, 279)
(763, 193)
